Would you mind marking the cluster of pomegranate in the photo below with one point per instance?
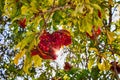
(50, 43)
(95, 33)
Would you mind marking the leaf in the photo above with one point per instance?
(57, 17)
(34, 5)
(110, 2)
(96, 6)
(27, 64)
(24, 10)
(37, 21)
(62, 2)
(105, 65)
(10, 8)
(30, 36)
(101, 66)
(87, 1)
(90, 9)
(90, 63)
(94, 49)
(110, 36)
(36, 60)
(18, 56)
(66, 77)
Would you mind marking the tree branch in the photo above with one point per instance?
(54, 9)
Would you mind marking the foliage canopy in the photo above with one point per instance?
(95, 49)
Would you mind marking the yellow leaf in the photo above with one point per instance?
(87, 1)
(90, 63)
(33, 6)
(110, 36)
(94, 49)
(110, 2)
(10, 8)
(18, 56)
(30, 36)
(105, 65)
(101, 66)
(37, 21)
(66, 77)
(96, 6)
(27, 64)
(24, 10)
(37, 60)
(90, 9)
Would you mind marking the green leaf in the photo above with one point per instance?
(57, 17)
(29, 37)
(62, 2)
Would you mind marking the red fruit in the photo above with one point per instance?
(56, 40)
(45, 41)
(67, 66)
(99, 14)
(22, 23)
(49, 43)
(47, 55)
(34, 52)
(44, 55)
(64, 37)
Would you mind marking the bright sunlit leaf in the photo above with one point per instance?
(90, 63)
(95, 50)
(27, 64)
(24, 10)
(37, 61)
(110, 36)
(18, 56)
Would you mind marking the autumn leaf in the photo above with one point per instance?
(110, 36)
(95, 50)
(66, 77)
(105, 65)
(27, 64)
(36, 60)
(90, 64)
(18, 56)
(24, 10)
